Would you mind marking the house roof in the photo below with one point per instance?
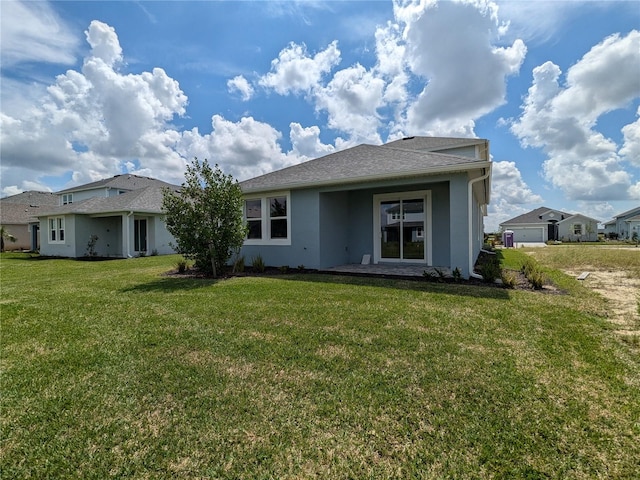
(370, 162)
(123, 182)
(633, 219)
(142, 200)
(533, 217)
(628, 212)
(18, 209)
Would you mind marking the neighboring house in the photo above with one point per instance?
(124, 212)
(417, 200)
(16, 213)
(625, 224)
(544, 224)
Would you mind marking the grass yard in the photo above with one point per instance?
(110, 369)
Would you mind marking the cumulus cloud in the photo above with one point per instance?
(508, 184)
(242, 86)
(562, 119)
(510, 195)
(95, 120)
(456, 92)
(245, 148)
(630, 150)
(294, 71)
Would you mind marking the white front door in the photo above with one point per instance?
(402, 227)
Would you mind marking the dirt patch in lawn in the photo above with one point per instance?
(623, 293)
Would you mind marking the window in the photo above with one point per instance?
(577, 229)
(253, 214)
(278, 217)
(268, 219)
(67, 198)
(56, 230)
(140, 235)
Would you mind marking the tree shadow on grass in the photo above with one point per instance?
(170, 284)
(462, 288)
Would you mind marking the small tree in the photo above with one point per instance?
(205, 217)
(5, 235)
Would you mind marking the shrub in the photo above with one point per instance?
(257, 264)
(537, 278)
(457, 274)
(509, 279)
(284, 268)
(238, 265)
(490, 270)
(181, 266)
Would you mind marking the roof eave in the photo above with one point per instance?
(465, 167)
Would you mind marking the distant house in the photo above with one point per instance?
(418, 200)
(544, 224)
(124, 213)
(624, 225)
(16, 215)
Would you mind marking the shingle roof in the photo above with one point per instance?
(534, 216)
(433, 143)
(32, 197)
(366, 162)
(19, 209)
(143, 200)
(124, 182)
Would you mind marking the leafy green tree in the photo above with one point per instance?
(4, 236)
(205, 217)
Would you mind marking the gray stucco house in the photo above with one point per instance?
(418, 200)
(544, 224)
(625, 224)
(16, 215)
(124, 212)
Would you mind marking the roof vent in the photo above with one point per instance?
(408, 138)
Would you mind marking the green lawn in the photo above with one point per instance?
(110, 369)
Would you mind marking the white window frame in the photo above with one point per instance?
(573, 229)
(265, 210)
(67, 198)
(427, 232)
(57, 227)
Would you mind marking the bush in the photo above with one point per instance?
(509, 279)
(258, 264)
(490, 270)
(238, 265)
(532, 271)
(181, 266)
(205, 217)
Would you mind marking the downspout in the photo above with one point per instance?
(470, 215)
(129, 235)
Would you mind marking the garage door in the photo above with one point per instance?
(533, 234)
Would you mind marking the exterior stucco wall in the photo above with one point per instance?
(459, 224)
(334, 228)
(159, 237)
(64, 249)
(305, 238)
(106, 228)
(589, 230)
(22, 235)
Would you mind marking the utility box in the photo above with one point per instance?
(507, 239)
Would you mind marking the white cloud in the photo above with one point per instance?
(452, 66)
(562, 120)
(96, 120)
(243, 149)
(351, 100)
(306, 143)
(510, 195)
(33, 32)
(507, 184)
(294, 71)
(242, 86)
(630, 150)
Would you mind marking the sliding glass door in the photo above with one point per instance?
(401, 227)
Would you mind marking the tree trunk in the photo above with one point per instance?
(212, 252)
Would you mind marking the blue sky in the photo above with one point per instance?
(93, 89)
